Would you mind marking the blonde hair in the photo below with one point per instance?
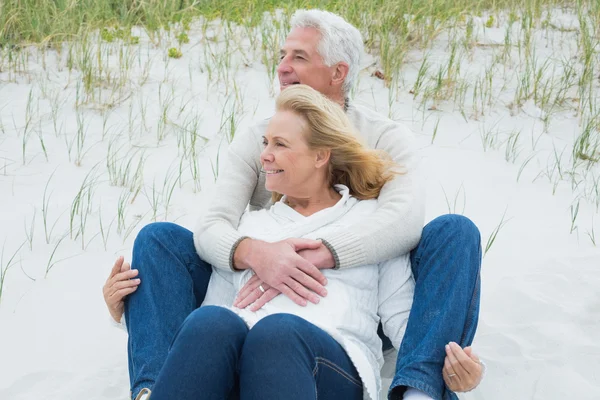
(364, 171)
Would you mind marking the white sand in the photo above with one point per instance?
(540, 311)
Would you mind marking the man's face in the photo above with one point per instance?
(302, 63)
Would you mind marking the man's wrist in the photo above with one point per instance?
(242, 252)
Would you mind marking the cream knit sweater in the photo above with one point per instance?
(393, 229)
(349, 313)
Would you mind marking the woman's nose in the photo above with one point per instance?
(266, 155)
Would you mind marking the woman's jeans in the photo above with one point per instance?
(215, 357)
(445, 264)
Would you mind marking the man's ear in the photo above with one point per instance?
(322, 158)
(340, 73)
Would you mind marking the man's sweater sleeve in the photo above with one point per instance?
(216, 235)
(395, 228)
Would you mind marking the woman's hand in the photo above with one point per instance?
(118, 285)
(251, 293)
(462, 369)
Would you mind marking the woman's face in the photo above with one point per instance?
(292, 168)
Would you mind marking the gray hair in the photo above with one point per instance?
(340, 41)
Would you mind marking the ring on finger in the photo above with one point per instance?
(262, 289)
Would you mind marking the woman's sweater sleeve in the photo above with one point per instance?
(216, 236)
(395, 228)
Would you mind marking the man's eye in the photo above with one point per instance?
(264, 143)
(279, 144)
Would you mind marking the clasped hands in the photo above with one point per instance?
(291, 267)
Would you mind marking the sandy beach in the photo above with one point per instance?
(82, 171)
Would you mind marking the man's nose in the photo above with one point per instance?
(284, 66)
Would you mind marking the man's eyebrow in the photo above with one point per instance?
(299, 51)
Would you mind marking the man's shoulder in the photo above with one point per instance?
(259, 127)
(369, 120)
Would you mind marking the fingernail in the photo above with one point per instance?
(136, 280)
(316, 300)
(448, 347)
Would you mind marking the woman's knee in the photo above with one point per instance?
(218, 324)
(277, 332)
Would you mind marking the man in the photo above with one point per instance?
(322, 51)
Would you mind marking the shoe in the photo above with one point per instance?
(144, 394)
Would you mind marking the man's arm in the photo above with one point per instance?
(395, 228)
(216, 233)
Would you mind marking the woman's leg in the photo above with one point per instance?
(203, 360)
(446, 266)
(173, 283)
(287, 357)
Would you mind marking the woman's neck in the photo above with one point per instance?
(309, 205)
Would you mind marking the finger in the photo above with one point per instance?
(286, 290)
(120, 294)
(123, 276)
(125, 284)
(471, 354)
(305, 284)
(315, 274)
(266, 297)
(458, 368)
(252, 297)
(450, 376)
(125, 267)
(116, 267)
(465, 361)
(247, 289)
(303, 244)
(302, 291)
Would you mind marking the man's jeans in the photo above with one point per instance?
(446, 265)
(215, 357)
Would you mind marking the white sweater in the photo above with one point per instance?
(391, 230)
(349, 311)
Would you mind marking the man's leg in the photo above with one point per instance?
(287, 357)
(173, 283)
(446, 266)
(203, 361)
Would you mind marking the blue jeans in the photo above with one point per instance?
(446, 265)
(215, 357)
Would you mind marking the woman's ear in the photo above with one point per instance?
(322, 158)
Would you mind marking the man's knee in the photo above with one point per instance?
(455, 227)
(159, 232)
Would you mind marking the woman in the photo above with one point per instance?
(322, 178)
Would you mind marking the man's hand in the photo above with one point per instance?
(462, 370)
(320, 257)
(280, 267)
